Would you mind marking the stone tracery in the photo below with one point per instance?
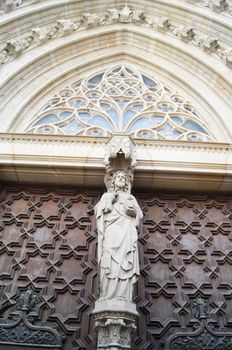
(121, 99)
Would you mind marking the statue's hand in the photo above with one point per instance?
(115, 197)
(106, 210)
(130, 211)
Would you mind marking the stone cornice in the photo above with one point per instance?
(50, 139)
(13, 138)
(79, 160)
(189, 34)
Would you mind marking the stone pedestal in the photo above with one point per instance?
(114, 321)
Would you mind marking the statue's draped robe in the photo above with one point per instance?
(117, 245)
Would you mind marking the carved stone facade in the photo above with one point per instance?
(52, 292)
(191, 35)
(125, 15)
(170, 42)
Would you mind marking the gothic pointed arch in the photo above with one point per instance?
(89, 87)
(184, 54)
(172, 43)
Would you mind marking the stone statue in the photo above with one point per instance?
(28, 300)
(117, 215)
(199, 308)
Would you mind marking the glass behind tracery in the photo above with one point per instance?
(120, 100)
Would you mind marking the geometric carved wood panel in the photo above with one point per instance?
(48, 242)
(185, 245)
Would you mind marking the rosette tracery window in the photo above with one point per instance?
(121, 100)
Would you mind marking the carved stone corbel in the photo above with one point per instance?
(114, 330)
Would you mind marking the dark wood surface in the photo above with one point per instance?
(48, 241)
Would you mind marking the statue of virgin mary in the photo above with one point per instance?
(118, 214)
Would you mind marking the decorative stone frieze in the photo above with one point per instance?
(225, 55)
(187, 165)
(90, 20)
(40, 35)
(17, 46)
(126, 15)
(184, 33)
(4, 56)
(65, 26)
(208, 44)
(215, 5)
(188, 34)
(162, 24)
(10, 5)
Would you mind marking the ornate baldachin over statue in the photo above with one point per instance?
(117, 215)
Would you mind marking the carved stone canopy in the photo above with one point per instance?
(120, 155)
(118, 145)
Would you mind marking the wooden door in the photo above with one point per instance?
(185, 247)
(49, 243)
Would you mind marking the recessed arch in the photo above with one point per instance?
(32, 77)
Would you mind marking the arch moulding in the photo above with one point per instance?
(29, 80)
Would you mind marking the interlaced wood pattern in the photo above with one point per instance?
(185, 249)
(48, 242)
